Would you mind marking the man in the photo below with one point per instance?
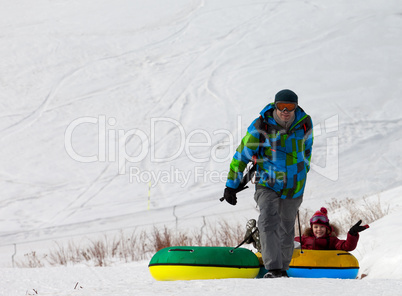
(279, 143)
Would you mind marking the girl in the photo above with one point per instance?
(321, 235)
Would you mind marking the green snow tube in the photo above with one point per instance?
(196, 263)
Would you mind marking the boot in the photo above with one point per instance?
(273, 273)
(250, 227)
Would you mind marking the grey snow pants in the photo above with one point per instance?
(276, 227)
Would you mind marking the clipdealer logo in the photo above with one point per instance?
(112, 144)
(328, 131)
(110, 138)
(175, 175)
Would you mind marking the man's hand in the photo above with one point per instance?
(230, 195)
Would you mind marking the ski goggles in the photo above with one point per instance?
(316, 219)
(282, 106)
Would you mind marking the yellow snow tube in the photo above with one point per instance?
(320, 264)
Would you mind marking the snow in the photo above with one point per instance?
(101, 101)
(133, 279)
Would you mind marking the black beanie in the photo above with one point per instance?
(286, 95)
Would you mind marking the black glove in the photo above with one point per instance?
(230, 195)
(357, 228)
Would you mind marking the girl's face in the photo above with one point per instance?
(319, 230)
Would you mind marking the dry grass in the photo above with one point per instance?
(142, 245)
(226, 234)
(137, 246)
(32, 260)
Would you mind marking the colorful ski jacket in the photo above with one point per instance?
(282, 157)
(328, 242)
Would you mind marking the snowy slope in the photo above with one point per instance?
(101, 101)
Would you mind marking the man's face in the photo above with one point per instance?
(285, 115)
